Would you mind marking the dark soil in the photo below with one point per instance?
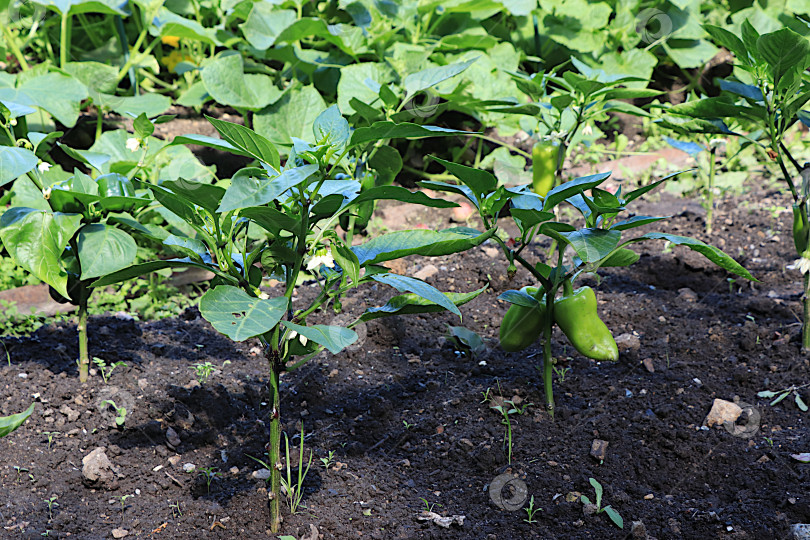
(719, 339)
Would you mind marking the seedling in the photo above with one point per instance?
(51, 435)
(429, 506)
(295, 492)
(407, 425)
(20, 471)
(204, 371)
(328, 460)
(785, 392)
(531, 510)
(561, 372)
(176, 510)
(104, 369)
(486, 395)
(121, 412)
(123, 500)
(467, 342)
(209, 474)
(51, 505)
(611, 513)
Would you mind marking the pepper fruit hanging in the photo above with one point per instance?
(544, 167)
(575, 314)
(521, 326)
(800, 228)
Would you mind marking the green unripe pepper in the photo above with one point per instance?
(544, 167)
(114, 185)
(800, 227)
(575, 314)
(521, 326)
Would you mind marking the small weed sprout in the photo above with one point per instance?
(407, 425)
(295, 492)
(204, 371)
(505, 413)
(51, 435)
(121, 412)
(209, 474)
(105, 370)
(123, 500)
(531, 510)
(612, 514)
(328, 460)
(785, 392)
(176, 510)
(429, 506)
(20, 470)
(51, 505)
(561, 373)
(486, 395)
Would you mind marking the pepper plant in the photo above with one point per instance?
(68, 234)
(278, 221)
(597, 243)
(769, 91)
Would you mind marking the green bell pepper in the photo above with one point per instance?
(575, 314)
(800, 227)
(544, 167)
(521, 326)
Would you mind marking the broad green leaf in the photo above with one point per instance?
(403, 130)
(331, 128)
(169, 23)
(729, 40)
(36, 240)
(424, 242)
(408, 304)
(528, 218)
(418, 287)
(291, 116)
(15, 162)
(247, 191)
(784, 50)
(247, 141)
(707, 108)
(593, 244)
(10, 423)
(265, 23)
(689, 53)
(103, 249)
(635, 221)
(270, 219)
(745, 90)
(226, 81)
(622, 257)
(149, 104)
(387, 162)
(430, 77)
(74, 7)
(401, 194)
(571, 188)
(715, 255)
(614, 517)
(520, 298)
(479, 181)
(239, 316)
(204, 195)
(143, 269)
(800, 402)
(38, 91)
(334, 338)
(210, 142)
(347, 260)
(361, 81)
(458, 189)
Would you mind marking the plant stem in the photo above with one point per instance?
(64, 39)
(710, 190)
(274, 446)
(84, 359)
(548, 361)
(806, 318)
(15, 49)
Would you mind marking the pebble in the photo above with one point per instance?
(722, 411)
(648, 365)
(599, 449)
(261, 474)
(234, 470)
(189, 467)
(174, 460)
(172, 437)
(426, 272)
(23, 375)
(687, 295)
(638, 531)
(119, 533)
(628, 342)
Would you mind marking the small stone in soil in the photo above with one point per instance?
(648, 364)
(189, 467)
(722, 411)
(638, 531)
(261, 474)
(119, 533)
(599, 449)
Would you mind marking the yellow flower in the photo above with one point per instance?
(171, 41)
(174, 58)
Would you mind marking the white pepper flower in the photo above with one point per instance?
(802, 264)
(322, 257)
(44, 167)
(133, 144)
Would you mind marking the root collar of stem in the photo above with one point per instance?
(274, 448)
(84, 357)
(806, 320)
(548, 361)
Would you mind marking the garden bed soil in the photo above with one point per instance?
(403, 413)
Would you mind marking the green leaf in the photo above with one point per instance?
(103, 249)
(766, 393)
(36, 240)
(707, 108)
(331, 128)
(597, 488)
(38, 91)
(784, 50)
(729, 40)
(800, 403)
(226, 82)
(10, 423)
(427, 78)
(712, 253)
(347, 260)
(142, 269)
(361, 81)
(622, 257)
(239, 316)
(387, 162)
(401, 194)
(248, 141)
(204, 195)
(614, 517)
(291, 116)
(418, 287)
(150, 105)
(246, 190)
(593, 244)
(403, 130)
(334, 338)
(571, 188)
(528, 218)
(265, 23)
(409, 304)
(424, 242)
(15, 162)
(172, 24)
(270, 219)
(635, 221)
(143, 127)
(519, 298)
(479, 181)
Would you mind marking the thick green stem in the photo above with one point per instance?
(548, 361)
(84, 358)
(274, 445)
(806, 318)
(64, 39)
(11, 41)
(710, 191)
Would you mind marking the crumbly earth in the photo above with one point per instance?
(403, 411)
